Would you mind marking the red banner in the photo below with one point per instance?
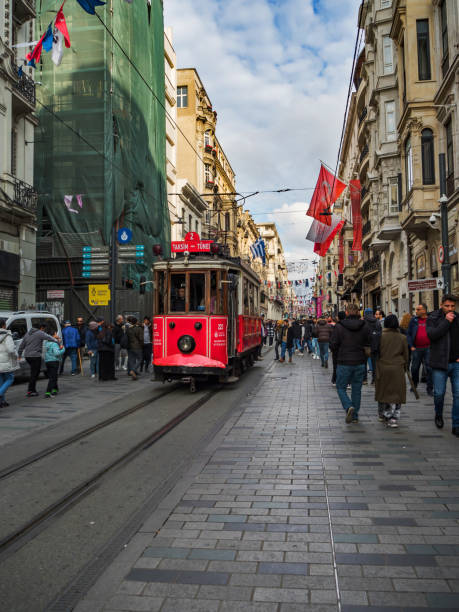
(327, 190)
(341, 253)
(354, 188)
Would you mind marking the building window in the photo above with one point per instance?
(390, 120)
(190, 223)
(444, 36)
(422, 31)
(449, 159)
(227, 222)
(427, 151)
(393, 196)
(388, 56)
(208, 139)
(408, 165)
(208, 173)
(182, 96)
(196, 227)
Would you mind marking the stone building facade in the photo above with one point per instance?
(18, 198)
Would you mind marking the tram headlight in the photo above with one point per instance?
(186, 344)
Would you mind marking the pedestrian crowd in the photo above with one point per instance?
(124, 346)
(424, 347)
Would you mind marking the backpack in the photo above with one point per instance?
(124, 340)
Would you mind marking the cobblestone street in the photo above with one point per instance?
(290, 509)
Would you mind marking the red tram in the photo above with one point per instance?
(206, 320)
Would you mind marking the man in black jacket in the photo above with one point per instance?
(443, 332)
(351, 342)
(375, 336)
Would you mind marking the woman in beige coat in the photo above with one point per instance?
(390, 387)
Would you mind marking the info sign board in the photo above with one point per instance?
(425, 284)
(99, 295)
(192, 244)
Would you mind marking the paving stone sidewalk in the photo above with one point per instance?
(289, 510)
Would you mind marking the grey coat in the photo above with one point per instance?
(32, 343)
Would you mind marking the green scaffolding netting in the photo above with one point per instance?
(116, 159)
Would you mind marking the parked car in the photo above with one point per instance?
(21, 321)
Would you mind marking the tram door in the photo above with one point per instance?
(232, 312)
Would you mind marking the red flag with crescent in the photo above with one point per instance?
(326, 192)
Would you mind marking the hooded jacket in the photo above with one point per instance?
(32, 343)
(375, 332)
(8, 357)
(71, 337)
(349, 340)
(53, 352)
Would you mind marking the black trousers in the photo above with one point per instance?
(106, 365)
(35, 367)
(52, 369)
(276, 349)
(146, 356)
(271, 340)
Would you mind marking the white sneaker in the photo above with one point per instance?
(124, 368)
(392, 423)
(93, 375)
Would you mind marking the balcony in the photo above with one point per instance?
(25, 196)
(416, 210)
(371, 266)
(24, 95)
(390, 228)
(24, 10)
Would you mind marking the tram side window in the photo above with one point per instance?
(161, 293)
(197, 292)
(251, 299)
(178, 293)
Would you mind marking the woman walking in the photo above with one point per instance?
(8, 362)
(106, 352)
(53, 357)
(391, 365)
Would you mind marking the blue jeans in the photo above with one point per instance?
(6, 380)
(93, 363)
(297, 343)
(439, 388)
(353, 375)
(309, 344)
(284, 348)
(421, 355)
(72, 353)
(323, 350)
(315, 346)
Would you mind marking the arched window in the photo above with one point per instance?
(408, 165)
(428, 163)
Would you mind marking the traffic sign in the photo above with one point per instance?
(441, 254)
(99, 295)
(425, 284)
(124, 235)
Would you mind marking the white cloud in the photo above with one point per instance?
(277, 73)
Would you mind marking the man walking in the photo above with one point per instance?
(419, 345)
(135, 346)
(71, 340)
(351, 342)
(287, 341)
(375, 328)
(118, 333)
(323, 331)
(443, 332)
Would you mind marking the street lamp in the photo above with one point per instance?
(443, 201)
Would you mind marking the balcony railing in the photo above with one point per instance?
(371, 264)
(366, 229)
(25, 195)
(26, 87)
(363, 114)
(364, 153)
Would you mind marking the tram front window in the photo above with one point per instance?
(197, 292)
(178, 293)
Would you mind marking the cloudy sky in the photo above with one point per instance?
(277, 72)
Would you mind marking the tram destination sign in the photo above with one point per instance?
(192, 244)
(425, 284)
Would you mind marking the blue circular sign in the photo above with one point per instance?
(124, 235)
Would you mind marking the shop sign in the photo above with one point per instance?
(55, 294)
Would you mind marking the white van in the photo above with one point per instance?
(21, 321)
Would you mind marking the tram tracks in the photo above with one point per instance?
(30, 528)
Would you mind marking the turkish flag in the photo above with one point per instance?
(327, 190)
(322, 247)
(354, 188)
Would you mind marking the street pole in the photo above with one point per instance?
(113, 275)
(443, 201)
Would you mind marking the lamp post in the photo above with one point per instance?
(443, 201)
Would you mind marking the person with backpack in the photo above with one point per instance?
(53, 356)
(8, 362)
